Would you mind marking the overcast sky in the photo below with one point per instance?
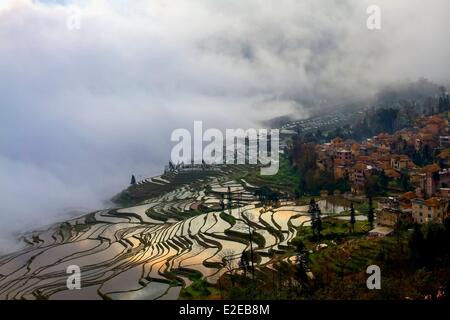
(83, 109)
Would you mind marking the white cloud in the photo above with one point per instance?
(81, 110)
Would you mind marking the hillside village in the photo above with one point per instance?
(383, 166)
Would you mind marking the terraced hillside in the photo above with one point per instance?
(148, 250)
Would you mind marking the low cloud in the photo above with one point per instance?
(84, 109)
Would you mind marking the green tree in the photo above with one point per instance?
(244, 262)
(417, 245)
(405, 181)
(436, 238)
(316, 220)
(386, 119)
(133, 180)
(222, 202)
(370, 213)
(372, 186)
(301, 271)
(352, 218)
(230, 199)
(319, 226)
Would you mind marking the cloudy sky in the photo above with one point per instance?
(82, 109)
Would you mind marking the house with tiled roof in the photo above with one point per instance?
(425, 138)
(400, 162)
(383, 161)
(444, 141)
(407, 135)
(337, 141)
(383, 141)
(430, 210)
(392, 174)
(431, 179)
(343, 157)
(405, 201)
(356, 149)
(390, 217)
(358, 175)
(436, 125)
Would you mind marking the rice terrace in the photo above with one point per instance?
(183, 226)
(224, 158)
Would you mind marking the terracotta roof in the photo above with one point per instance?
(359, 166)
(432, 202)
(444, 154)
(383, 136)
(425, 136)
(431, 168)
(399, 157)
(409, 195)
(435, 120)
(392, 173)
(405, 206)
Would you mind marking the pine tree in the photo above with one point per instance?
(352, 218)
(319, 227)
(230, 200)
(133, 180)
(370, 214)
(244, 262)
(316, 221)
(312, 213)
(222, 202)
(417, 245)
(301, 268)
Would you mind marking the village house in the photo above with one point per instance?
(444, 193)
(343, 157)
(337, 142)
(425, 138)
(400, 162)
(444, 141)
(431, 179)
(388, 203)
(340, 172)
(392, 174)
(444, 158)
(436, 125)
(383, 141)
(405, 201)
(358, 175)
(407, 135)
(380, 232)
(417, 179)
(391, 218)
(430, 210)
(395, 210)
(356, 149)
(381, 161)
(444, 178)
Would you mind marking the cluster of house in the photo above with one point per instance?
(356, 162)
(171, 167)
(409, 208)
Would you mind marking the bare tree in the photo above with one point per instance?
(247, 217)
(228, 259)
